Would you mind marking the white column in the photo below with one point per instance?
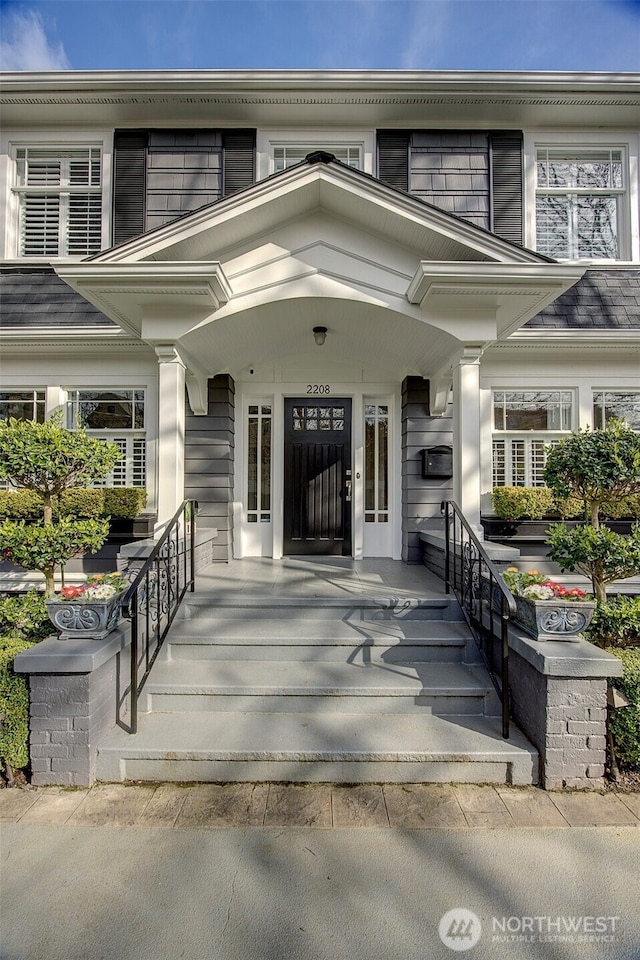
(171, 425)
(466, 434)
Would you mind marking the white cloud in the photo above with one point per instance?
(25, 45)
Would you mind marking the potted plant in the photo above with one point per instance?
(548, 610)
(89, 611)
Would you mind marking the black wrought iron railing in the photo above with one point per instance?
(153, 599)
(486, 601)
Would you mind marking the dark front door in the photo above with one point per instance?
(317, 477)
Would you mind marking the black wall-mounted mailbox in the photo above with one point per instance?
(437, 463)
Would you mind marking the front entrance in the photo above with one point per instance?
(317, 477)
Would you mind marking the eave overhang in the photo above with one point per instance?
(130, 292)
(482, 294)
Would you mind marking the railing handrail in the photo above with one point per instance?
(471, 602)
(499, 579)
(155, 577)
(133, 587)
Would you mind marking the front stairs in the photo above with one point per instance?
(318, 689)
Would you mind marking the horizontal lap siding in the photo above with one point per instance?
(421, 499)
(209, 462)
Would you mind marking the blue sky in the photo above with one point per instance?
(329, 34)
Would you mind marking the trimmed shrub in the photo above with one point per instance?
(626, 507)
(532, 503)
(125, 502)
(616, 622)
(19, 505)
(89, 502)
(625, 721)
(82, 502)
(23, 623)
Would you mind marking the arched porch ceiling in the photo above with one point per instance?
(399, 284)
(373, 342)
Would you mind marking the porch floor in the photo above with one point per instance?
(318, 577)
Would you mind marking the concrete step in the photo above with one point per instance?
(351, 686)
(307, 747)
(314, 639)
(206, 605)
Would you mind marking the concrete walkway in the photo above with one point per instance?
(224, 872)
(412, 806)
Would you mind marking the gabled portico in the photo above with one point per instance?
(403, 290)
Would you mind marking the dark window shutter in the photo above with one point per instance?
(393, 158)
(506, 185)
(239, 160)
(129, 167)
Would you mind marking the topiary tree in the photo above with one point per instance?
(48, 460)
(601, 468)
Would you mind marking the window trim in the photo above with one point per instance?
(322, 138)
(583, 141)
(526, 437)
(10, 143)
(128, 434)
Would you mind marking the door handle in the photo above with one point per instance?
(348, 497)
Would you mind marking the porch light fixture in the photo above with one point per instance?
(320, 335)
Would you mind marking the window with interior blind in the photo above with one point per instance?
(579, 193)
(117, 416)
(525, 423)
(60, 201)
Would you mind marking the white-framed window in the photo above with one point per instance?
(259, 448)
(525, 422)
(118, 416)
(22, 405)
(60, 200)
(376, 462)
(286, 155)
(581, 197)
(608, 404)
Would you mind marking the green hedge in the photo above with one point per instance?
(89, 503)
(23, 623)
(616, 622)
(535, 503)
(625, 721)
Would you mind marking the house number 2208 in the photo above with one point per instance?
(318, 389)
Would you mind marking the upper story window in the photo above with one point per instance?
(60, 201)
(287, 155)
(578, 203)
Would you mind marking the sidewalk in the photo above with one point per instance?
(412, 806)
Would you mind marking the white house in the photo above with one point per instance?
(322, 304)
(342, 269)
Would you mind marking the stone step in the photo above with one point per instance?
(307, 747)
(404, 640)
(320, 608)
(352, 686)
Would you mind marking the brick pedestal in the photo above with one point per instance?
(75, 687)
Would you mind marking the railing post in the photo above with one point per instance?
(505, 675)
(447, 547)
(192, 551)
(133, 709)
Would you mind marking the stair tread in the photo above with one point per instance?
(339, 631)
(296, 678)
(306, 736)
